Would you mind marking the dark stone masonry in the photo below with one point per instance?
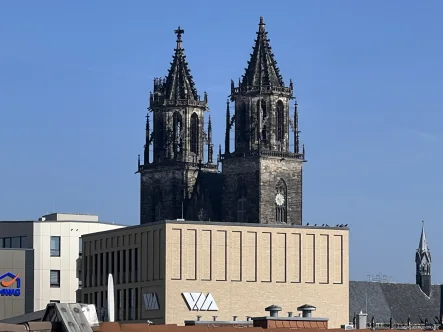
(261, 177)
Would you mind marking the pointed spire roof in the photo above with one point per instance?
(179, 83)
(262, 68)
(423, 244)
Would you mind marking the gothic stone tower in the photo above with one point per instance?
(178, 138)
(423, 263)
(262, 177)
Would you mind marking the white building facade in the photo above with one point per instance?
(56, 240)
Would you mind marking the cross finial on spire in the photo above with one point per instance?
(179, 33)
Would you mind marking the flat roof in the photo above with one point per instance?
(221, 223)
(63, 221)
(16, 248)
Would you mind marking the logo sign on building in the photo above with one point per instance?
(200, 302)
(151, 301)
(10, 284)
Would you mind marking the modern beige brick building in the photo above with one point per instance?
(172, 271)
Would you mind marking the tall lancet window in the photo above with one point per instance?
(194, 133)
(281, 201)
(177, 128)
(241, 201)
(242, 121)
(280, 122)
(262, 132)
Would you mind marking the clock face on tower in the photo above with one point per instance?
(279, 199)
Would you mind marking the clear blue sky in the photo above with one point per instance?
(75, 78)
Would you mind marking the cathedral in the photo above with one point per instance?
(260, 180)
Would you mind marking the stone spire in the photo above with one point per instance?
(179, 83)
(423, 244)
(262, 68)
(423, 263)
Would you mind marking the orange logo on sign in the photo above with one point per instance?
(10, 282)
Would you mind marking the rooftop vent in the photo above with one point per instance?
(306, 310)
(273, 310)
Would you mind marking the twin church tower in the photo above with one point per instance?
(261, 177)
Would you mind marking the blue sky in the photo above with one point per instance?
(75, 78)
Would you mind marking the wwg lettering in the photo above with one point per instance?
(7, 281)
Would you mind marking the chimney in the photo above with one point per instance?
(306, 310)
(290, 314)
(273, 310)
(361, 321)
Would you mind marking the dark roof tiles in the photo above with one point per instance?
(397, 301)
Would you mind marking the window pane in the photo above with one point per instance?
(7, 242)
(15, 242)
(2, 243)
(55, 278)
(55, 246)
(80, 246)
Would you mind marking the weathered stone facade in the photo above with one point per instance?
(261, 179)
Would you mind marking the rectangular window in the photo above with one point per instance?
(102, 300)
(7, 242)
(54, 278)
(80, 246)
(96, 270)
(106, 267)
(85, 268)
(125, 304)
(119, 304)
(136, 303)
(55, 246)
(90, 272)
(112, 265)
(118, 266)
(131, 304)
(136, 264)
(23, 242)
(101, 269)
(16, 242)
(124, 271)
(2, 243)
(130, 265)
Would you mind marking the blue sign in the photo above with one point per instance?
(7, 282)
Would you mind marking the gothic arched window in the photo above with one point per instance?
(241, 201)
(280, 121)
(281, 195)
(242, 120)
(262, 113)
(158, 135)
(177, 129)
(194, 133)
(157, 204)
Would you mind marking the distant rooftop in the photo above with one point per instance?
(66, 217)
(69, 217)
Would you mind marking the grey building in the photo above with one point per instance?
(261, 177)
(389, 303)
(16, 282)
